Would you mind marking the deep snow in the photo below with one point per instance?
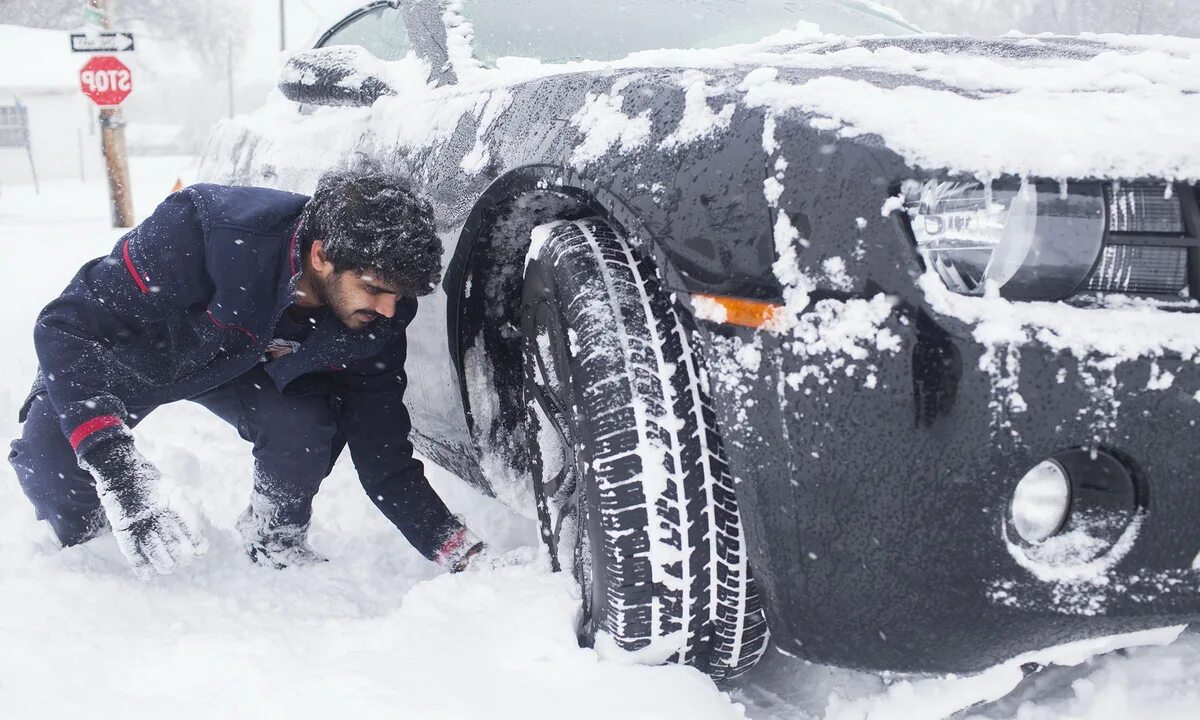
(377, 632)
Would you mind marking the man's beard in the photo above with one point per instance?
(331, 293)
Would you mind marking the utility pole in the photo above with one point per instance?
(112, 142)
(229, 71)
(282, 26)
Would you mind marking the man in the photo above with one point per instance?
(282, 314)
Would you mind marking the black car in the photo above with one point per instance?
(698, 334)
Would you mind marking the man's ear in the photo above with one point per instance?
(316, 255)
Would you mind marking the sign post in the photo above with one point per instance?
(14, 132)
(108, 81)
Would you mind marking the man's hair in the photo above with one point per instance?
(375, 224)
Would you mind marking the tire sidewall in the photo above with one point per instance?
(544, 303)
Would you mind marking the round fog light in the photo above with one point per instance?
(1041, 502)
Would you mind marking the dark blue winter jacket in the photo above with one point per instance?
(188, 300)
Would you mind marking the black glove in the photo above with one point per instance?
(484, 557)
(152, 536)
(271, 543)
(466, 558)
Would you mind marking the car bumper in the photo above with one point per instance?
(875, 482)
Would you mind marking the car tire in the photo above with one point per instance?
(633, 490)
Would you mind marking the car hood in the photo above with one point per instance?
(1060, 107)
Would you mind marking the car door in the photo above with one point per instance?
(425, 138)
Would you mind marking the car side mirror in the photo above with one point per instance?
(343, 75)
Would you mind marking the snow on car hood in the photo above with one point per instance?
(1111, 106)
(1108, 106)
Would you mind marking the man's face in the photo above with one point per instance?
(357, 298)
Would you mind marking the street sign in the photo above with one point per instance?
(14, 126)
(106, 80)
(14, 132)
(102, 42)
(94, 16)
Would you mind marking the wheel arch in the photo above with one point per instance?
(465, 314)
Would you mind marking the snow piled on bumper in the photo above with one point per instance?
(939, 697)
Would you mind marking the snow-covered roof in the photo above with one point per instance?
(32, 59)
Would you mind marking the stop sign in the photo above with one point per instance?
(105, 80)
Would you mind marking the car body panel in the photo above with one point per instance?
(877, 453)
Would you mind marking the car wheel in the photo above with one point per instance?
(634, 493)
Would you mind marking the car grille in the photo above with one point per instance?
(1152, 245)
(1143, 209)
(1140, 269)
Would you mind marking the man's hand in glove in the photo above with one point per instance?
(152, 536)
(484, 557)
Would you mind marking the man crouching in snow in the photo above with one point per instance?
(282, 314)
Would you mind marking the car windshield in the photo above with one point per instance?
(565, 30)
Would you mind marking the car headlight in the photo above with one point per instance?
(1026, 241)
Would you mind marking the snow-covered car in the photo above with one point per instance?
(907, 323)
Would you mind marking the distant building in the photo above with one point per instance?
(39, 71)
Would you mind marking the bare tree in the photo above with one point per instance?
(963, 17)
(1168, 17)
(211, 30)
(992, 17)
(55, 14)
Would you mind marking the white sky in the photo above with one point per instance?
(305, 20)
(56, 65)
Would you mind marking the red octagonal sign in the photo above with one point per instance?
(106, 80)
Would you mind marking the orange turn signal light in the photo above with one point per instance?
(747, 313)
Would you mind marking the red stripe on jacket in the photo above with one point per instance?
(239, 328)
(132, 270)
(454, 543)
(292, 249)
(92, 427)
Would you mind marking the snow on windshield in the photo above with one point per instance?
(564, 30)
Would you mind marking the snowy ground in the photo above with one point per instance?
(376, 632)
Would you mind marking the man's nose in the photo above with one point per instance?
(386, 305)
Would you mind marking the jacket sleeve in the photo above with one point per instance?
(376, 425)
(154, 270)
